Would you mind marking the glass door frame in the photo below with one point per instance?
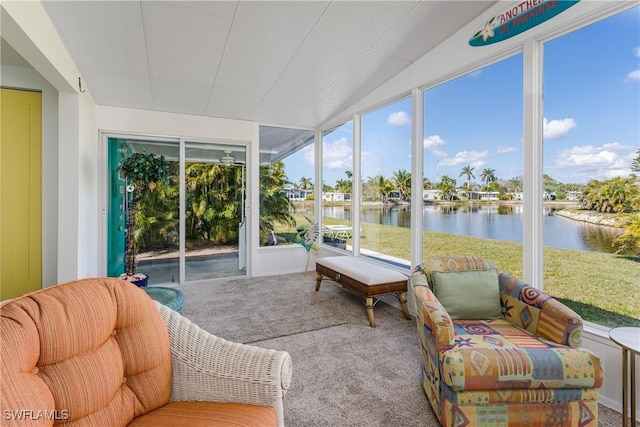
(181, 143)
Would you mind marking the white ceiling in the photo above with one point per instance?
(293, 63)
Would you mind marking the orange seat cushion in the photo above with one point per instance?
(94, 350)
(208, 414)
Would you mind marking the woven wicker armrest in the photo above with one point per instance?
(208, 368)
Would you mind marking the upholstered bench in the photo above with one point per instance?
(365, 278)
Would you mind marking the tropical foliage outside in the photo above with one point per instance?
(213, 206)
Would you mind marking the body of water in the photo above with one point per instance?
(491, 221)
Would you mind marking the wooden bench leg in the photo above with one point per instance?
(372, 320)
(402, 296)
(318, 280)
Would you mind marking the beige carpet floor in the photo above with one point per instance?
(345, 372)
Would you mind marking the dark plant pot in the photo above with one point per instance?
(142, 282)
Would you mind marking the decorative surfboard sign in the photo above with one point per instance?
(518, 19)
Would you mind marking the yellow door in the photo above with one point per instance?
(20, 192)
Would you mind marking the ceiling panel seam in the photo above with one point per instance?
(146, 53)
(224, 51)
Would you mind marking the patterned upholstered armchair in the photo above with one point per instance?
(519, 365)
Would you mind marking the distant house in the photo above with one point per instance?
(296, 194)
(574, 195)
(430, 194)
(484, 195)
(336, 197)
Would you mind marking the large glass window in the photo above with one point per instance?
(473, 166)
(287, 162)
(337, 186)
(592, 193)
(385, 164)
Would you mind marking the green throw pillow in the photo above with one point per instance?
(469, 294)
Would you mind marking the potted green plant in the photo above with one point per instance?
(143, 171)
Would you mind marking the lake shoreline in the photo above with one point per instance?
(591, 217)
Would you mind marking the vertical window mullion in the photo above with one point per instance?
(181, 210)
(356, 204)
(532, 238)
(417, 173)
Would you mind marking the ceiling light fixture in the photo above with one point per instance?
(227, 159)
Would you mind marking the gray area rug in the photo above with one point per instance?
(345, 373)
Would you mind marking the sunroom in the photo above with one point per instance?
(388, 119)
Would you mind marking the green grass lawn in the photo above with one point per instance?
(602, 288)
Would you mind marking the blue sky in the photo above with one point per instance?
(591, 116)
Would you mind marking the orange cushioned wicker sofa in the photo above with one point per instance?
(100, 352)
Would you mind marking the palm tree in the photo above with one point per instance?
(306, 183)
(447, 187)
(629, 240)
(516, 184)
(488, 175)
(402, 181)
(468, 171)
(343, 186)
(426, 184)
(616, 195)
(380, 185)
(274, 203)
(213, 203)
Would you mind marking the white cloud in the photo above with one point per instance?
(502, 149)
(337, 154)
(634, 75)
(432, 142)
(439, 153)
(597, 162)
(399, 118)
(475, 74)
(636, 52)
(465, 157)
(556, 129)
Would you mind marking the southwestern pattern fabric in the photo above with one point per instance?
(524, 369)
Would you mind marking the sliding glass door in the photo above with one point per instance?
(209, 180)
(214, 210)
